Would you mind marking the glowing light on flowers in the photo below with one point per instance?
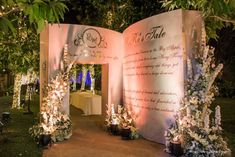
(122, 118)
(207, 122)
(53, 121)
(17, 90)
(217, 117)
(199, 136)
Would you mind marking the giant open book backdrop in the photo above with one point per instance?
(149, 68)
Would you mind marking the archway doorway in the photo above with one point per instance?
(104, 49)
(89, 88)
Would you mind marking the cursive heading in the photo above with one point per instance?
(155, 32)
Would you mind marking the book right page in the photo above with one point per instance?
(153, 75)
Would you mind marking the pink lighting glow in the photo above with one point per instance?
(144, 65)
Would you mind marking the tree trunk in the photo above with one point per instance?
(92, 74)
(74, 87)
(17, 90)
(31, 77)
(84, 73)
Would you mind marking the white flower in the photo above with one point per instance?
(217, 117)
(193, 100)
(193, 122)
(213, 137)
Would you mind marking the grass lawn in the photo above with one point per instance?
(15, 140)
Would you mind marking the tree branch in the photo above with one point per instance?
(10, 11)
(223, 19)
(7, 42)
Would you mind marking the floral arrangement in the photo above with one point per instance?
(111, 116)
(52, 120)
(127, 121)
(198, 134)
(122, 118)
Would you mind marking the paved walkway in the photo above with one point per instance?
(90, 140)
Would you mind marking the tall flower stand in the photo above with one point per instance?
(176, 149)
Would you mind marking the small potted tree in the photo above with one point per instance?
(112, 120)
(114, 126)
(127, 125)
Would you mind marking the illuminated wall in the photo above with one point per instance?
(153, 69)
(87, 45)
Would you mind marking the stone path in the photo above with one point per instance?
(90, 140)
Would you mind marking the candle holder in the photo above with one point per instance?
(176, 149)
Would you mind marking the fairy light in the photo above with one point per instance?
(17, 89)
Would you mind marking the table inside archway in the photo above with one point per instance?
(89, 103)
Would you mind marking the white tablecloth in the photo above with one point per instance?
(88, 102)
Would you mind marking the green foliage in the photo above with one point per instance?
(19, 52)
(217, 13)
(37, 12)
(19, 22)
(116, 15)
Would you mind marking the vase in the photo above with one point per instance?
(44, 140)
(126, 133)
(176, 149)
(114, 129)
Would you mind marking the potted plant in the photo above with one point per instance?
(126, 133)
(120, 122)
(127, 125)
(112, 120)
(114, 126)
(175, 147)
(173, 138)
